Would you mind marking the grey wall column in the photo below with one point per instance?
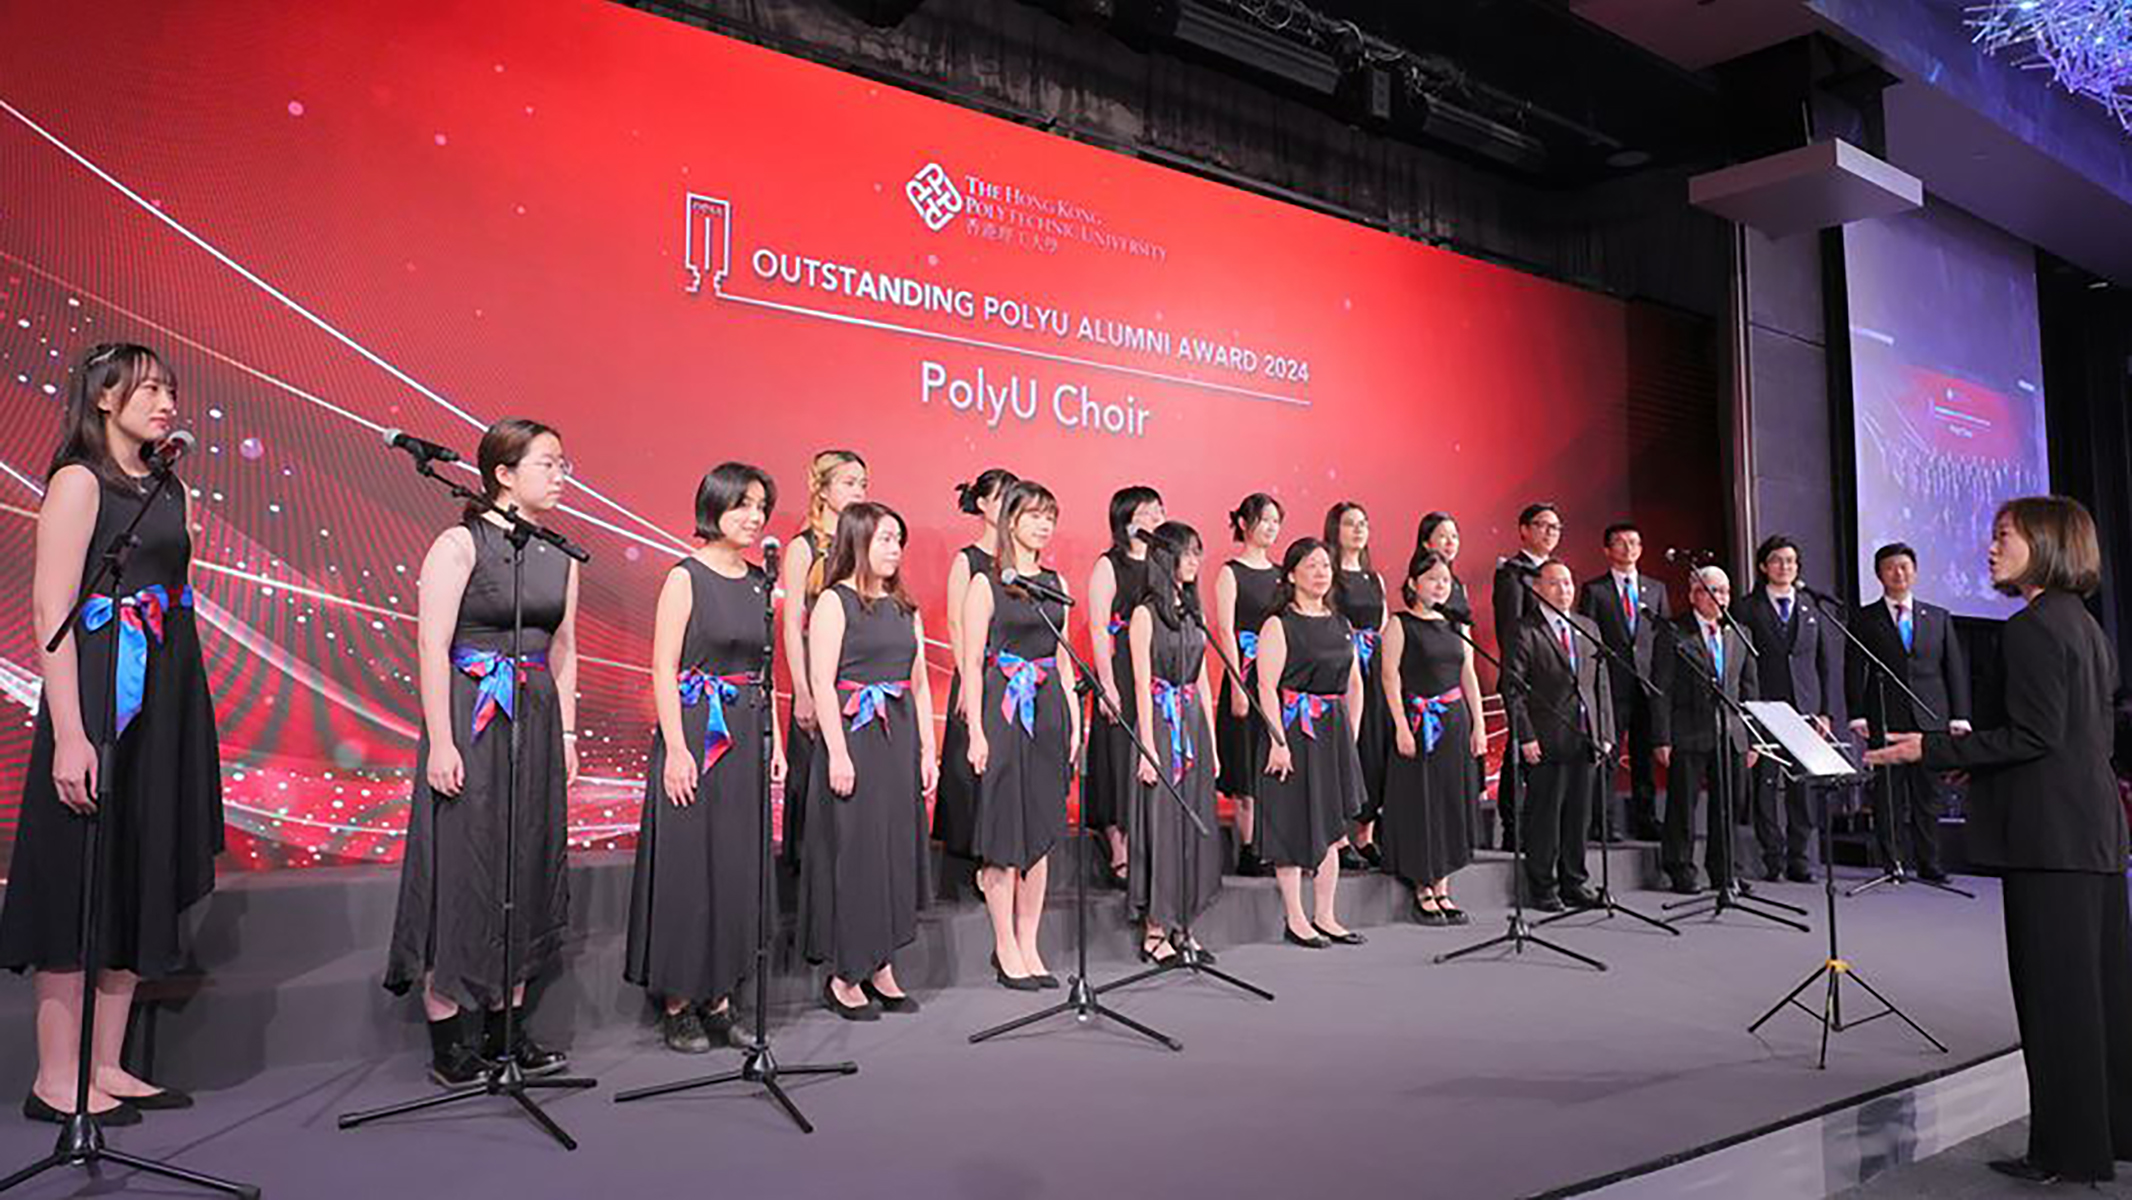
(1781, 376)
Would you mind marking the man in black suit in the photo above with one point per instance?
(1565, 716)
(1800, 663)
(1695, 648)
(1539, 532)
(1629, 609)
(1917, 642)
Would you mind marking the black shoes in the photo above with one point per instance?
(1424, 915)
(532, 1057)
(1250, 865)
(1683, 885)
(683, 1031)
(124, 1113)
(1373, 857)
(452, 1062)
(1453, 914)
(1799, 874)
(1933, 876)
(164, 1100)
(1772, 874)
(1548, 904)
(1313, 942)
(1351, 863)
(1350, 938)
(863, 1012)
(1580, 897)
(905, 1003)
(1026, 983)
(2028, 1172)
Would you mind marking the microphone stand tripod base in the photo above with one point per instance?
(1517, 937)
(1836, 970)
(1898, 875)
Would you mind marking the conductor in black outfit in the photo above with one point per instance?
(1917, 642)
(2043, 809)
(1565, 716)
(1686, 728)
(1539, 532)
(1629, 608)
(1801, 663)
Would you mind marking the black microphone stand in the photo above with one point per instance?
(1520, 933)
(1732, 894)
(1186, 954)
(757, 1063)
(1884, 777)
(81, 1136)
(1608, 906)
(1081, 996)
(503, 1078)
(1835, 968)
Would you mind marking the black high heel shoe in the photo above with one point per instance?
(1149, 946)
(1026, 983)
(905, 1003)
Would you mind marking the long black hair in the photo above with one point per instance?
(990, 482)
(1284, 592)
(1171, 598)
(1123, 504)
(850, 554)
(116, 367)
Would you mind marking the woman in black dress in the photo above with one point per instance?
(1243, 599)
(1438, 532)
(1309, 681)
(864, 866)
(446, 935)
(1018, 680)
(1358, 592)
(1426, 676)
(835, 479)
(2043, 811)
(696, 894)
(1178, 871)
(1114, 583)
(955, 808)
(162, 812)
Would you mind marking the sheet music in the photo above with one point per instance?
(1815, 756)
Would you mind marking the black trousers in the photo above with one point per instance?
(2069, 957)
(1694, 776)
(1558, 805)
(1906, 818)
(1632, 713)
(1783, 821)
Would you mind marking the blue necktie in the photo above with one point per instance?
(1907, 627)
(1784, 610)
(1717, 654)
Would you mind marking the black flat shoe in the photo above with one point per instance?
(34, 1108)
(1548, 904)
(863, 1012)
(163, 1100)
(1027, 983)
(905, 1003)
(1309, 943)
(683, 1032)
(1047, 981)
(1453, 914)
(2023, 1170)
(1350, 938)
(1433, 917)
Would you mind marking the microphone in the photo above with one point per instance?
(771, 548)
(1034, 588)
(1138, 534)
(1454, 615)
(424, 451)
(164, 455)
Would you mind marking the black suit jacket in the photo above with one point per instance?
(1600, 599)
(1801, 662)
(1548, 711)
(2042, 796)
(1686, 720)
(1933, 666)
(1509, 599)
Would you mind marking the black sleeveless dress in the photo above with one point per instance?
(1021, 797)
(800, 743)
(863, 867)
(450, 919)
(1300, 817)
(696, 891)
(1428, 799)
(1112, 762)
(1243, 739)
(1176, 869)
(1360, 597)
(163, 812)
(955, 804)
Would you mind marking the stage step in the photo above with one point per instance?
(290, 963)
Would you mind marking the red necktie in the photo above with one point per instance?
(1567, 649)
(1628, 606)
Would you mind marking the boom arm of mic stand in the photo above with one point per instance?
(1627, 665)
(1887, 673)
(1235, 674)
(1103, 702)
(520, 529)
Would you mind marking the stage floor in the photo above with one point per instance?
(1375, 1072)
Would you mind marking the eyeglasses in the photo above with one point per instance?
(1550, 526)
(553, 466)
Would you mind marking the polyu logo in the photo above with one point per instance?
(933, 194)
